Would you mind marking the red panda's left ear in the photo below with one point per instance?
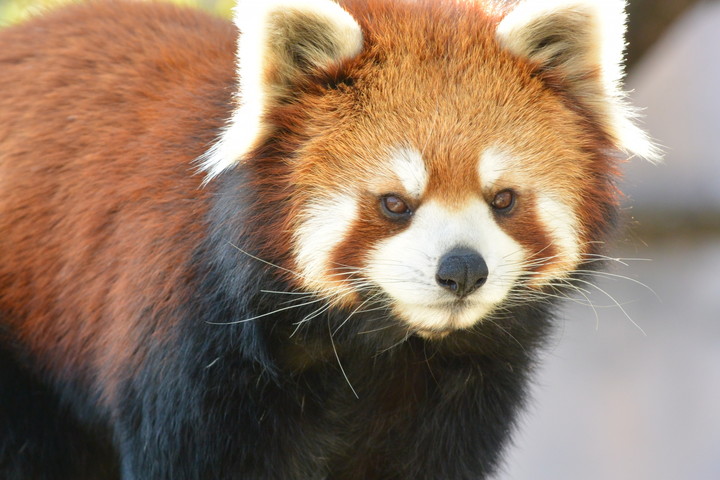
(280, 41)
(583, 41)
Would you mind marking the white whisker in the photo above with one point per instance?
(264, 314)
(616, 303)
(337, 357)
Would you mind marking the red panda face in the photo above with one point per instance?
(449, 174)
(443, 197)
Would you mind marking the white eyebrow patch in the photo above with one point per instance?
(324, 225)
(409, 167)
(493, 164)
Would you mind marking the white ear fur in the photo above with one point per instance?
(279, 41)
(580, 39)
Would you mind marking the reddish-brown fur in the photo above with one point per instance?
(90, 224)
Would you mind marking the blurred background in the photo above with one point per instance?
(630, 386)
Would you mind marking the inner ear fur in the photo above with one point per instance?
(583, 42)
(561, 40)
(297, 38)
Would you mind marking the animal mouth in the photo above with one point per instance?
(434, 334)
(439, 319)
(450, 325)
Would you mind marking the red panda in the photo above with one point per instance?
(323, 242)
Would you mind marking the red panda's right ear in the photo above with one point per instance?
(280, 40)
(582, 41)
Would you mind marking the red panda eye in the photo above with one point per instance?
(395, 207)
(504, 200)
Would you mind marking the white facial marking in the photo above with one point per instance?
(323, 226)
(561, 224)
(494, 163)
(405, 265)
(409, 167)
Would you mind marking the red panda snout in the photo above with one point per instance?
(462, 271)
(449, 268)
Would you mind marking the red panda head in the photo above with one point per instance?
(442, 158)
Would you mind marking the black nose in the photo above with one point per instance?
(462, 271)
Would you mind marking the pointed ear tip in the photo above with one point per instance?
(526, 11)
(253, 17)
(635, 141)
(245, 11)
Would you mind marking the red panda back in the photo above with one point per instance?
(99, 204)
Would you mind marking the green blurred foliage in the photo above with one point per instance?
(13, 11)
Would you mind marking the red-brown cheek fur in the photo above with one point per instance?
(100, 206)
(366, 232)
(523, 224)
